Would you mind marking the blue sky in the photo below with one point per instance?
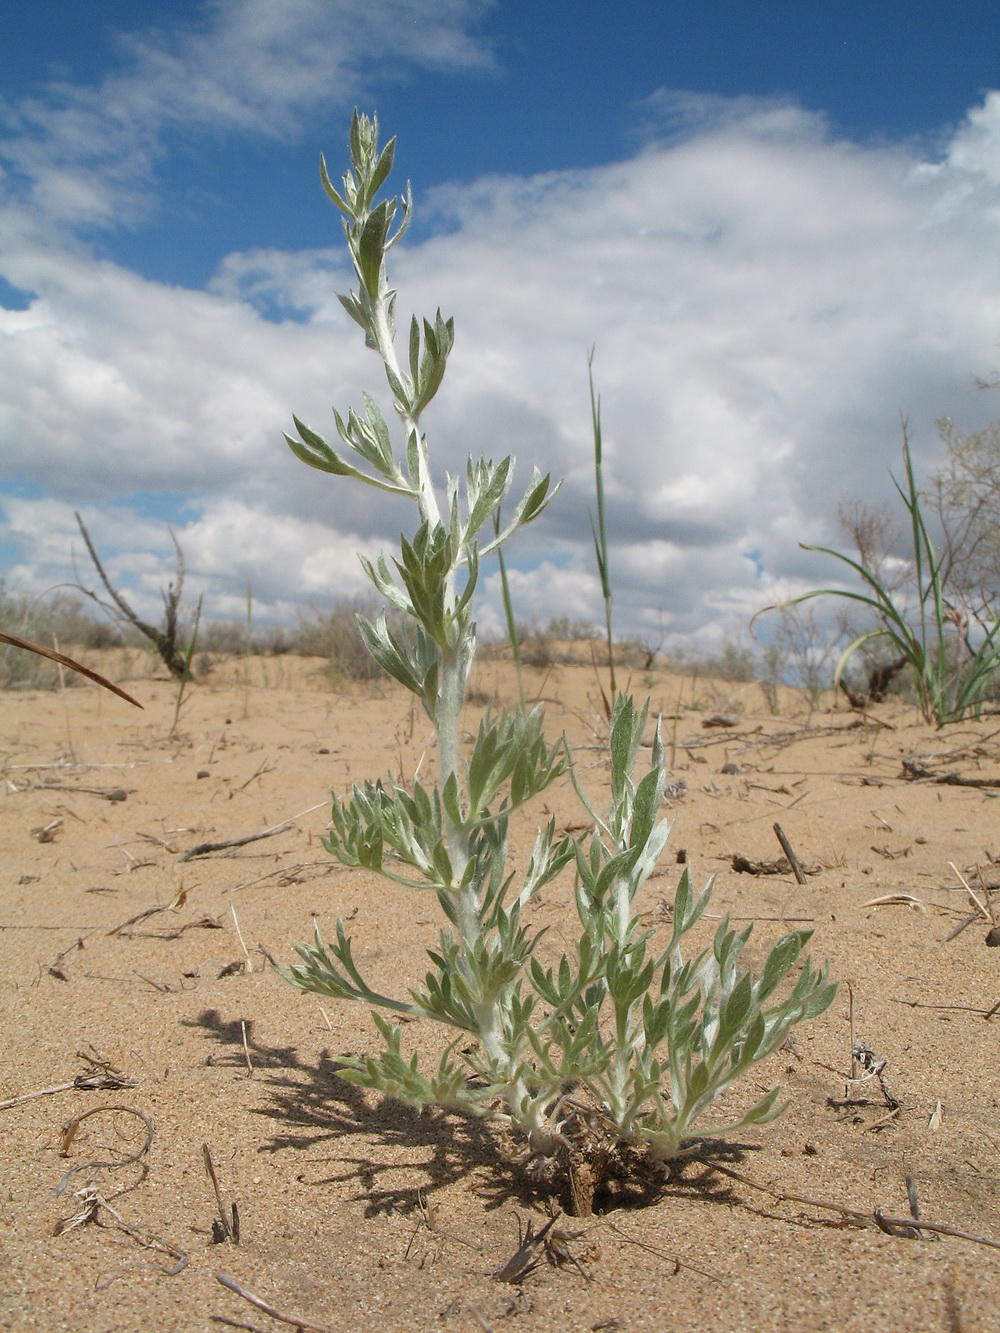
(776, 221)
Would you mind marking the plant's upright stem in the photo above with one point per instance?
(451, 689)
(427, 503)
(623, 909)
(450, 699)
(455, 658)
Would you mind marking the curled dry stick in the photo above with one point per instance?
(69, 1131)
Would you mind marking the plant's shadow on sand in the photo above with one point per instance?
(318, 1108)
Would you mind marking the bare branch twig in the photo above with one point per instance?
(204, 848)
(873, 1219)
(303, 1324)
(70, 662)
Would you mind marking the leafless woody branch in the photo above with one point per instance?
(165, 639)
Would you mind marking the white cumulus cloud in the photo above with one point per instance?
(88, 154)
(764, 297)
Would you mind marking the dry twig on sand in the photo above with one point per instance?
(101, 1075)
(303, 1325)
(525, 1258)
(204, 848)
(70, 1128)
(903, 1227)
(91, 1203)
(179, 899)
(227, 1226)
(793, 860)
(105, 793)
(918, 771)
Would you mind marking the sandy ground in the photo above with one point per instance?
(359, 1214)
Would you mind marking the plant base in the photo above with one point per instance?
(595, 1172)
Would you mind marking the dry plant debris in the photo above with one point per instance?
(303, 1325)
(100, 1075)
(70, 662)
(227, 1225)
(92, 1203)
(69, 1132)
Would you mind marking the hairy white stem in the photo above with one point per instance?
(451, 688)
(382, 331)
(623, 909)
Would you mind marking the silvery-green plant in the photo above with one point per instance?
(620, 1046)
